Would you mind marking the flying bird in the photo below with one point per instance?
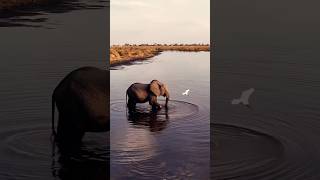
(244, 98)
(186, 92)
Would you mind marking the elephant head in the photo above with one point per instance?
(160, 89)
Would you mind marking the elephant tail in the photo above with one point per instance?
(127, 103)
(53, 112)
(126, 98)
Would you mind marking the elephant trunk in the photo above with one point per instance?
(167, 95)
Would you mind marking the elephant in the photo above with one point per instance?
(82, 100)
(142, 93)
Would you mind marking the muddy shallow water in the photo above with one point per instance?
(169, 144)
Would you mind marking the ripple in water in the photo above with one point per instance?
(139, 146)
(142, 153)
(172, 143)
(243, 153)
(176, 109)
(27, 148)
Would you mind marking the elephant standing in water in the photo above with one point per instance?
(141, 93)
(82, 99)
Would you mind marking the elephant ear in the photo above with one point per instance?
(155, 87)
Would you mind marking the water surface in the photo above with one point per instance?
(272, 46)
(169, 144)
(33, 59)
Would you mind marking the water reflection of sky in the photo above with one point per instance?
(137, 144)
(172, 144)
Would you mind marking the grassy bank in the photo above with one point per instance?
(127, 53)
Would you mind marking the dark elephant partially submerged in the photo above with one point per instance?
(82, 99)
(142, 93)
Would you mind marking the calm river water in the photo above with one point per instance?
(36, 51)
(272, 46)
(169, 145)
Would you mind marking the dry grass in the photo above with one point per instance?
(120, 54)
(127, 53)
(194, 48)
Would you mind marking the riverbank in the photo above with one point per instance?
(120, 54)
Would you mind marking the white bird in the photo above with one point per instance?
(244, 98)
(186, 92)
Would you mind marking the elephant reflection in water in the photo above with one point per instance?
(66, 167)
(152, 120)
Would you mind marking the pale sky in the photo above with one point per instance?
(160, 21)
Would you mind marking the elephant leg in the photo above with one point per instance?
(131, 105)
(69, 136)
(77, 137)
(154, 107)
(153, 102)
(61, 129)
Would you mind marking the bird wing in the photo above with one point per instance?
(235, 101)
(245, 95)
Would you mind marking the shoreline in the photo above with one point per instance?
(126, 54)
